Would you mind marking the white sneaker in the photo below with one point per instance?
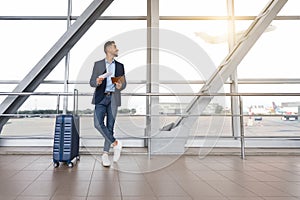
(117, 151)
(105, 160)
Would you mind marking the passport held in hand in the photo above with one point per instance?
(117, 79)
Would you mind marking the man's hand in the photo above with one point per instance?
(99, 80)
(118, 84)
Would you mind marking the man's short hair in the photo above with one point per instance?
(107, 44)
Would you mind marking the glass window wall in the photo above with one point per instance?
(274, 56)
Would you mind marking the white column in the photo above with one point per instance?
(152, 107)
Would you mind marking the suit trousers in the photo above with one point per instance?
(106, 109)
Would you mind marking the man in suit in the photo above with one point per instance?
(107, 98)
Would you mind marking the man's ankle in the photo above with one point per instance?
(115, 143)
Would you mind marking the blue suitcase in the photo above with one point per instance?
(66, 138)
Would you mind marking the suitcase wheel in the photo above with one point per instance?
(70, 164)
(56, 164)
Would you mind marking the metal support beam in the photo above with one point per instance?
(42, 69)
(235, 121)
(233, 59)
(67, 62)
(152, 107)
(242, 137)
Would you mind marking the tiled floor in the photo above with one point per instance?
(136, 177)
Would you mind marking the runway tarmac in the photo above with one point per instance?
(135, 126)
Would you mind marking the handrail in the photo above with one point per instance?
(151, 94)
(146, 115)
(148, 137)
(240, 81)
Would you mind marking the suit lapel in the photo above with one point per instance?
(102, 67)
(117, 69)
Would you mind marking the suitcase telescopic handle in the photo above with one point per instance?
(75, 103)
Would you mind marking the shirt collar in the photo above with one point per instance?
(113, 61)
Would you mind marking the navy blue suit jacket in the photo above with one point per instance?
(99, 69)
